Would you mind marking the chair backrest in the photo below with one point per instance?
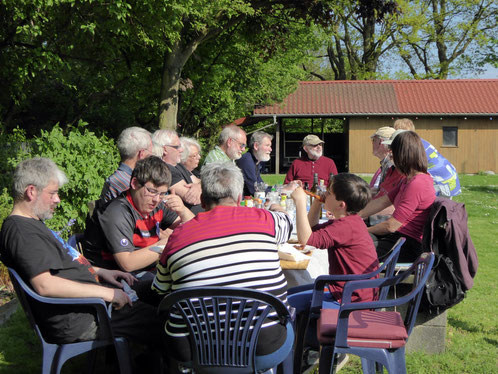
(419, 270)
(23, 291)
(27, 296)
(388, 267)
(224, 325)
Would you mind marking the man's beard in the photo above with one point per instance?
(43, 214)
(315, 154)
(262, 156)
(233, 154)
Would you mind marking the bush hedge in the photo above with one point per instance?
(86, 158)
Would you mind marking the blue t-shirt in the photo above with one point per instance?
(443, 173)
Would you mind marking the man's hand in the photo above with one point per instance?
(165, 234)
(298, 195)
(112, 276)
(174, 202)
(193, 194)
(291, 186)
(120, 299)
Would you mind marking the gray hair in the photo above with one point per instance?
(157, 150)
(231, 131)
(186, 143)
(221, 180)
(131, 141)
(38, 172)
(164, 137)
(258, 137)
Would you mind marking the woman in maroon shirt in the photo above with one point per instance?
(412, 199)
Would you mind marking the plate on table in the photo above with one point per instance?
(303, 248)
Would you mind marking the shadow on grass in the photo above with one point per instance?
(464, 326)
(486, 189)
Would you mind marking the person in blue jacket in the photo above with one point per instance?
(444, 174)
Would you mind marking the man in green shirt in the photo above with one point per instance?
(231, 143)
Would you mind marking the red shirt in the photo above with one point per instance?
(391, 180)
(350, 251)
(412, 200)
(303, 169)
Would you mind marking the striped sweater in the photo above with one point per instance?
(226, 246)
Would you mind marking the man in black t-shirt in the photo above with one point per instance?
(130, 232)
(55, 269)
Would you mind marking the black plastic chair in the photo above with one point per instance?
(310, 316)
(367, 329)
(55, 355)
(224, 325)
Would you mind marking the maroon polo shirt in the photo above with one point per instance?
(303, 169)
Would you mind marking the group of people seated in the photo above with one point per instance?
(161, 226)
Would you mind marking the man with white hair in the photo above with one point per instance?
(181, 180)
(252, 162)
(134, 143)
(55, 269)
(231, 144)
(313, 161)
(226, 246)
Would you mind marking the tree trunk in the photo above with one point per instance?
(170, 83)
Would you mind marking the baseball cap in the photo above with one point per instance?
(384, 132)
(390, 140)
(312, 140)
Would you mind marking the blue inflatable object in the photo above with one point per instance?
(443, 173)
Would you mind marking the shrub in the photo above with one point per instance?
(87, 159)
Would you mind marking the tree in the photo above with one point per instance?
(445, 36)
(360, 38)
(121, 60)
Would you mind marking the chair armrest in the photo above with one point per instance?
(323, 280)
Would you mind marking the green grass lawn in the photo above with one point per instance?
(472, 330)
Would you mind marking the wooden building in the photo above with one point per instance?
(459, 117)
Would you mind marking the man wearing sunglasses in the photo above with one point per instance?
(131, 232)
(181, 181)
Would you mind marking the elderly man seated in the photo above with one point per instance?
(181, 179)
(55, 269)
(387, 177)
(129, 234)
(229, 246)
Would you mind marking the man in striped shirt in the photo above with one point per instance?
(227, 246)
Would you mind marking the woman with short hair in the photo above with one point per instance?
(191, 155)
(412, 199)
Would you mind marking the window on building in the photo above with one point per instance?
(450, 136)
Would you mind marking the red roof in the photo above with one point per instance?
(469, 97)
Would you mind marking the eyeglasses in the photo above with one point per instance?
(194, 155)
(173, 146)
(154, 192)
(241, 145)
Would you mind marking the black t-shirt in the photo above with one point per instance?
(31, 248)
(179, 173)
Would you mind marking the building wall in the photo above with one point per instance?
(477, 148)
